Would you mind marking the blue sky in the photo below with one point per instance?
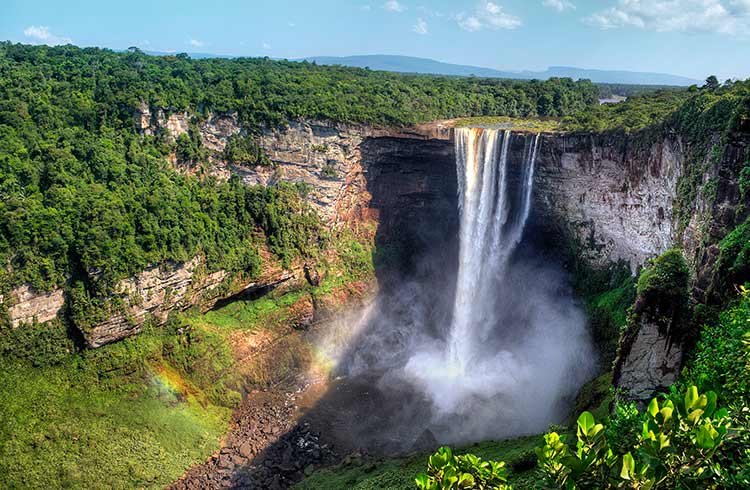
(685, 37)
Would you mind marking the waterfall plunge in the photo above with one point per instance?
(487, 239)
(517, 347)
(514, 350)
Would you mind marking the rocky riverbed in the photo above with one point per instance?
(267, 446)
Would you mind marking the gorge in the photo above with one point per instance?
(282, 274)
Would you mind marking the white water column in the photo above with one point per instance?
(488, 232)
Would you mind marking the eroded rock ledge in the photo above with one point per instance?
(613, 194)
(159, 290)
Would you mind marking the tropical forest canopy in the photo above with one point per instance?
(83, 191)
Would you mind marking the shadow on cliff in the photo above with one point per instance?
(370, 404)
(413, 189)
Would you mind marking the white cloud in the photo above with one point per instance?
(720, 16)
(266, 46)
(366, 8)
(292, 24)
(469, 23)
(42, 34)
(196, 43)
(393, 6)
(488, 15)
(420, 27)
(739, 7)
(559, 5)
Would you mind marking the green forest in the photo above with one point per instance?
(83, 191)
(86, 200)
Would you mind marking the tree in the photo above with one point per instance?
(712, 83)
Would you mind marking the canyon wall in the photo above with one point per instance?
(613, 196)
(161, 289)
(356, 175)
(617, 196)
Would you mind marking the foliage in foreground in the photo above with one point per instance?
(721, 362)
(678, 440)
(677, 444)
(446, 471)
(721, 359)
(398, 473)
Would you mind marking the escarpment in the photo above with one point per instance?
(610, 197)
(353, 175)
(616, 198)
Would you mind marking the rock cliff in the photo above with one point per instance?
(159, 290)
(26, 306)
(650, 364)
(614, 195)
(356, 174)
(617, 198)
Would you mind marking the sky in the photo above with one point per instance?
(692, 38)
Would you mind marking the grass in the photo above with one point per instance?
(537, 125)
(264, 313)
(62, 426)
(399, 473)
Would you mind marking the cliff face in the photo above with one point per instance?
(617, 196)
(28, 306)
(356, 174)
(159, 290)
(650, 365)
(612, 195)
(328, 157)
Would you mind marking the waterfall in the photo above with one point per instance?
(515, 349)
(491, 226)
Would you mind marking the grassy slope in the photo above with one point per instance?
(66, 426)
(399, 473)
(126, 414)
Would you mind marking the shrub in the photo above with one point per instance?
(679, 441)
(446, 471)
(733, 265)
(329, 170)
(663, 289)
(675, 448)
(720, 360)
(244, 150)
(41, 345)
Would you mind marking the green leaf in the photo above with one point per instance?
(586, 422)
(705, 437)
(663, 441)
(691, 398)
(422, 481)
(466, 481)
(666, 414)
(694, 415)
(710, 403)
(628, 466)
(653, 407)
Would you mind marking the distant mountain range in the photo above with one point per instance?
(410, 64)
